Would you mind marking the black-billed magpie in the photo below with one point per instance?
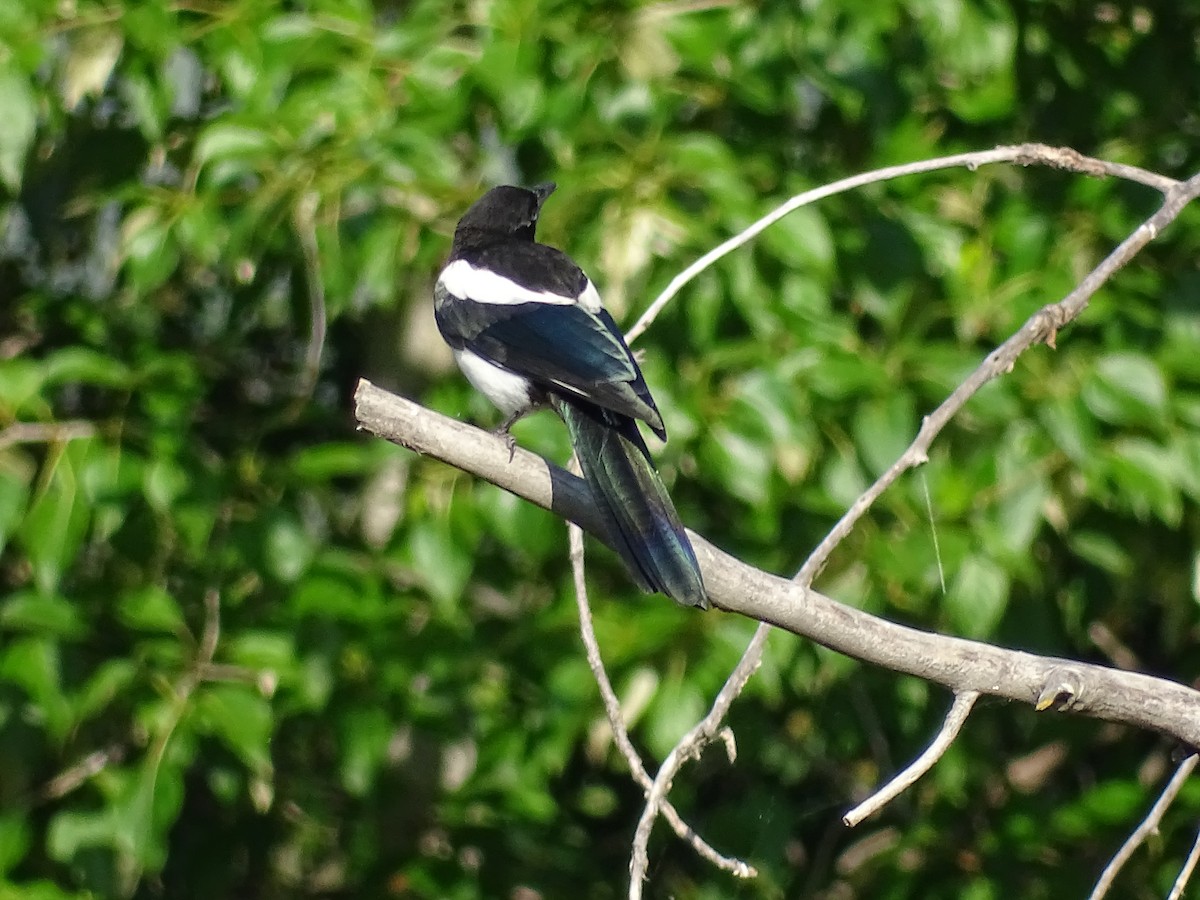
(527, 328)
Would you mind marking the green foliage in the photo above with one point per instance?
(389, 696)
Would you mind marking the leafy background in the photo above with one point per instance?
(395, 702)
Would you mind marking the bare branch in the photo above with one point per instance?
(1042, 326)
(953, 723)
(45, 433)
(73, 777)
(1185, 874)
(303, 220)
(967, 668)
(690, 746)
(202, 669)
(1023, 154)
(961, 665)
(612, 708)
(1147, 827)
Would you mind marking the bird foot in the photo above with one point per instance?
(509, 441)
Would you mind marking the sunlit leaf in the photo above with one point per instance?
(977, 597)
(1126, 389)
(18, 110)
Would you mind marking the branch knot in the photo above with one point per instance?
(1061, 690)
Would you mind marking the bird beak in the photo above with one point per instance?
(542, 191)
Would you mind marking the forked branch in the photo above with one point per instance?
(968, 668)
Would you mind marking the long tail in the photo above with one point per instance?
(641, 518)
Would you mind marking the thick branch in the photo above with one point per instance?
(958, 664)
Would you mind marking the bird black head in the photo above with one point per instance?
(506, 211)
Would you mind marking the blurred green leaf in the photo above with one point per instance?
(1126, 389)
(39, 890)
(83, 365)
(72, 831)
(1146, 475)
(37, 613)
(110, 682)
(1020, 514)
(676, 707)
(364, 743)
(165, 481)
(977, 597)
(18, 111)
(1101, 550)
(226, 141)
(14, 494)
(151, 609)
(242, 719)
(15, 839)
(289, 549)
(1109, 803)
(143, 811)
(883, 429)
(802, 238)
(439, 561)
(334, 460)
(262, 649)
(20, 380)
(57, 519)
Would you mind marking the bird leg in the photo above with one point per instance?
(504, 431)
(537, 400)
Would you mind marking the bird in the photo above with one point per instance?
(528, 329)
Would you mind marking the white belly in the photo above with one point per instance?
(508, 392)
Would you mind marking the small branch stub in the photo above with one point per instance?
(1062, 689)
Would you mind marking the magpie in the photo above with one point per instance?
(527, 328)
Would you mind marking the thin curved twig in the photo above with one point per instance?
(1042, 326)
(907, 777)
(612, 708)
(1147, 827)
(690, 746)
(1022, 154)
(1185, 874)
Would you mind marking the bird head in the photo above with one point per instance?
(506, 210)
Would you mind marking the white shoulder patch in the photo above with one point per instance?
(590, 298)
(463, 280)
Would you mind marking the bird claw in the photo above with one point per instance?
(509, 441)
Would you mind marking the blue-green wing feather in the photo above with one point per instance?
(642, 521)
(559, 347)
